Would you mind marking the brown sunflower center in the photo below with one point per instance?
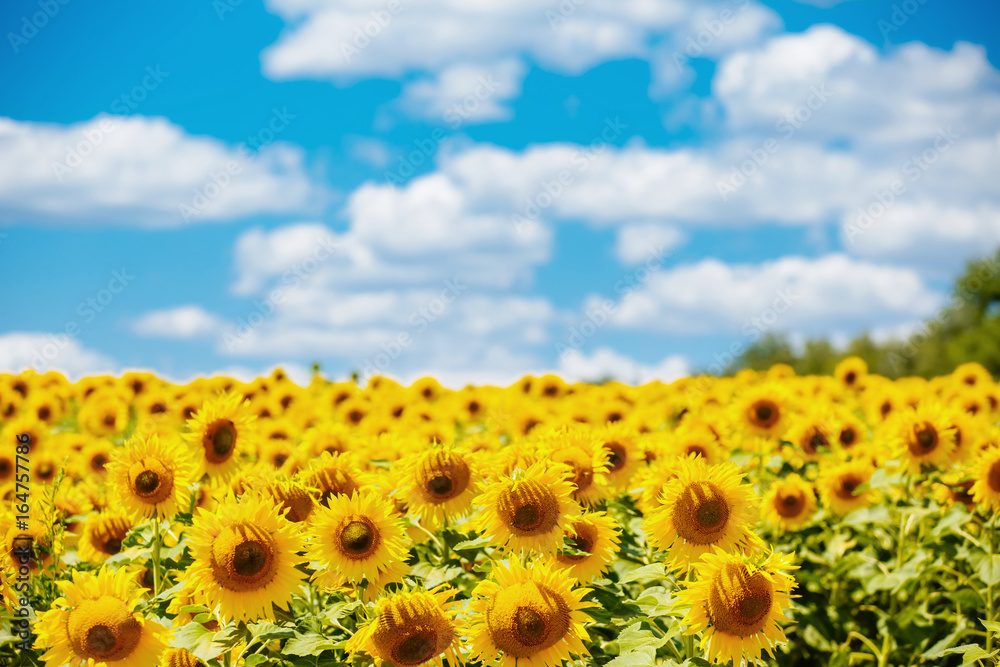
(764, 413)
(98, 462)
(419, 647)
(617, 456)
(527, 618)
(583, 541)
(847, 486)
(847, 436)
(815, 441)
(925, 439)
(219, 441)
(701, 513)
(850, 377)
(446, 476)
(103, 629)
(244, 557)
(738, 601)
(790, 505)
(5, 467)
(993, 477)
(528, 508)
(359, 538)
(151, 481)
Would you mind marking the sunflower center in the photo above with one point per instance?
(529, 508)
(925, 440)
(617, 456)
(527, 618)
(851, 377)
(993, 477)
(222, 441)
(244, 557)
(440, 485)
(789, 506)
(815, 442)
(847, 437)
(701, 513)
(847, 487)
(147, 482)
(5, 467)
(151, 481)
(103, 629)
(582, 541)
(738, 601)
(415, 649)
(359, 538)
(112, 545)
(99, 462)
(764, 414)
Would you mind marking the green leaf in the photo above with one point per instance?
(992, 626)
(199, 640)
(989, 570)
(304, 645)
(634, 638)
(266, 631)
(194, 609)
(478, 543)
(655, 601)
(254, 659)
(653, 571)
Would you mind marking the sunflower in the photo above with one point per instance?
(623, 452)
(849, 430)
(102, 537)
(245, 559)
(839, 484)
(412, 628)
(986, 473)
(596, 536)
(763, 410)
(851, 372)
(811, 433)
(789, 503)
(702, 508)
(439, 484)
(579, 449)
(649, 482)
(532, 617)
(736, 604)
(529, 511)
(697, 440)
(357, 537)
(922, 437)
(334, 475)
(95, 622)
(150, 478)
(220, 433)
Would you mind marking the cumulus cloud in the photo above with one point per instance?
(832, 85)
(605, 362)
(182, 322)
(345, 42)
(791, 293)
(43, 352)
(146, 171)
(640, 241)
(465, 93)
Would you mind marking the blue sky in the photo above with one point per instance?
(592, 187)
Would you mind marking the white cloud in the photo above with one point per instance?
(22, 350)
(639, 242)
(607, 363)
(464, 93)
(791, 293)
(147, 171)
(370, 151)
(840, 87)
(346, 42)
(182, 322)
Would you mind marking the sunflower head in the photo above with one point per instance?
(150, 476)
(412, 628)
(220, 433)
(439, 484)
(529, 511)
(924, 437)
(95, 622)
(763, 410)
(789, 503)
(736, 603)
(986, 476)
(595, 535)
(844, 487)
(528, 615)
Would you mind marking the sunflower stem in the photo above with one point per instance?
(689, 646)
(989, 587)
(156, 556)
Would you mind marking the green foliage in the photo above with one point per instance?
(967, 329)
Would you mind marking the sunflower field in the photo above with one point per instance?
(765, 518)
